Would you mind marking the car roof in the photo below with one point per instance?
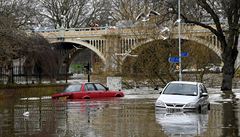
(186, 82)
(80, 83)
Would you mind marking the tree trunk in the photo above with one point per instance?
(10, 79)
(229, 57)
(226, 82)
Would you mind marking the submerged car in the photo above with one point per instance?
(183, 95)
(87, 91)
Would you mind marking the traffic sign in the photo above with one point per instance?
(184, 54)
(173, 59)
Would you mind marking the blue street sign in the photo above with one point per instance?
(184, 54)
(173, 59)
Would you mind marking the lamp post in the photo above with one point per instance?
(62, 28)
(179, 40)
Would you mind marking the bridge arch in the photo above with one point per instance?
(203, 42)
(87, 45)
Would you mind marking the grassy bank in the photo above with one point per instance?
(34, 90)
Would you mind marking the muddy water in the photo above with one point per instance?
(131, 116)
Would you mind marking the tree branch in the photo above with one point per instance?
(215, 17)
(186, 20)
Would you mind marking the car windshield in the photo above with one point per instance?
(181, 89)
(73, 88)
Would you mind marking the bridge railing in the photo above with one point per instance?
(109, 29)
(71, 29)
(90, 32)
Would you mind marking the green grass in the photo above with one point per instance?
(21, 91)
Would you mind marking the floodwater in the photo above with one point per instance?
(131, 116)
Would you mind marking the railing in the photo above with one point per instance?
(72, 29)
(90, 32)
(111, 27)
(24, 75)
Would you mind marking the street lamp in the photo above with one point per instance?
(62, 28)
(63, 21)
(179, 41)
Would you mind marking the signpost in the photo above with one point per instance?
(184, 54)
(173, 59)
(176, 59)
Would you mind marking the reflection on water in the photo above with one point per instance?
(182, 123)
(86, 118)
(230, 115)
(132, 115)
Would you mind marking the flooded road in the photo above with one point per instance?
(131, 116)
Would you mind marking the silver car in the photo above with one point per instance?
(183, 95)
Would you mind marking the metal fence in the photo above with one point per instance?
(23, 75)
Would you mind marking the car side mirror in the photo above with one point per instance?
(160, 92)
(204, 94)
(107, 88)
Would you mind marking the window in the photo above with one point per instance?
(73, 88)
(89, 87)
(203, 89)
(100, 87)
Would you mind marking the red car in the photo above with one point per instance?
(87, 91)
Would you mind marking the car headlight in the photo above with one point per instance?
(190, 105)
(159, 103)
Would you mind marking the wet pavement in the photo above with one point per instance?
(131, 116)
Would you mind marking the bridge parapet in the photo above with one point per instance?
(72, 29)
(99, 31)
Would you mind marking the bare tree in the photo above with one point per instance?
(13, 45)
(15, 41)
(42, 59)
(199, 11)
(127, 9)
(19, 13)
(152, 63)
(199, 58)
(71, 13)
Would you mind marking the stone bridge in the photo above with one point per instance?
(107, 42)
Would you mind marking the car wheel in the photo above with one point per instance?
(118, 95)
(86, 98)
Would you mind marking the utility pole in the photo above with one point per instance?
(88, 69)
(179, 40)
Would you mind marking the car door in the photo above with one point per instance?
(91, 91)
(203, 99)
(75, 90)
(102, 90)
